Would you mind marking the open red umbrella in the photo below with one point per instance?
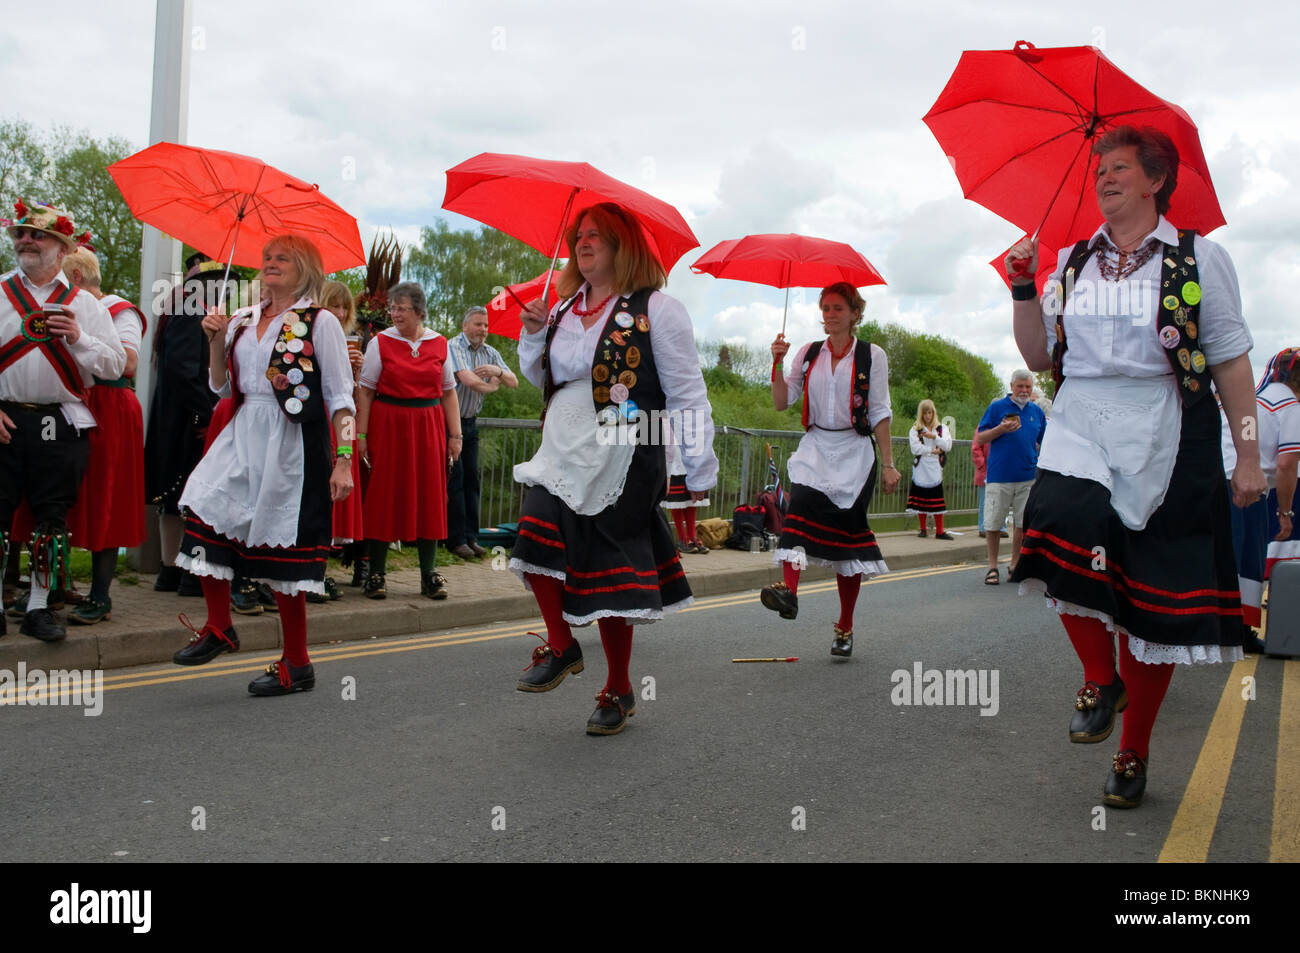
(503, 310)
(1018, 127)
(533, 200)
(787, 261)
(228, 205)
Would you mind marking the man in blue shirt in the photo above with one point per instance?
(1013, 428)
(480, 369)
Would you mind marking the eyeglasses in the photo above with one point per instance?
(399, 308)
(23, 231)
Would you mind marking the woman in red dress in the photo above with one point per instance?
(407, 394)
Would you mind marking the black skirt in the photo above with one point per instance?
(1173, 583)
(620, 563)
(926, 499)
(824, 531)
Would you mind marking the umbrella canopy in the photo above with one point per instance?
(787, 261)
(229, 206)
(503, 310)
(533, 200)
(1018, 127)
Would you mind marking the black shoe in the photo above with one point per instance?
(189, 585)
(842, 645)
(433, 585)
(923, 534)
(281, 678)
(779, 598)
(360, 572)
(611, 714)
(1095, 708)
(1253, 645)
(243, 598)
(329, 595)
(207, 644)
(266, 597)
(944, 535)
(462, 551)
(375, 587)
(478, 550)
(1127, 781)
(44, 625)
(92, 611)
(169, 577)
(549, 667)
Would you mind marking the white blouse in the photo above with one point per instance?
(373, 365)
(927, 471)
(672, 338)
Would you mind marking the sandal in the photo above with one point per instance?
(992, 578)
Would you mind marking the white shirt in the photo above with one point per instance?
(127, 323)
(373, 365)
(1112, 328)
(329, 351)
(833, 457)
(98, 353)
(672, 339)
(928, 471)
(1279, 427)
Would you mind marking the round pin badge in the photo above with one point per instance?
(600, 395)
(627, 379)
(1170, 302)
(642, 323)
(630, 409)
(1185, 358)
(623, 320)
(600, 373)
(287, 357)
(281, 347)
(271, 373)
(857, 400)
(1191, 330)
(1192, 293)
(280, 382)
(293, 405)
(294, 375)
(300, 329)
(1198, 361)
(307, 349)
(633, 357)
(295, 346)
(618, 393)
(1169, 337)
(301, 392)
(607, 416)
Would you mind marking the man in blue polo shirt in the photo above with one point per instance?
(1013, 428)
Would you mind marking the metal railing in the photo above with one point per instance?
(742, 470)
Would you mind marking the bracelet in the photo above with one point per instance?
(361, 436)
(343, 452)
(1289, 514)
(889, 466)
(1024, 292)
(456, 436)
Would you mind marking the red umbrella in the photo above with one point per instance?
(1018, 127)
(533, 200)
(229, 206)
(787, 261)
(503, 310)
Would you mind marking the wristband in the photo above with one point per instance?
(343, 452)
(1024, 292)
(456, 436)
(361, 436)
(1289, 514)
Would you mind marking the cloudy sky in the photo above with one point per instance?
(756, 116)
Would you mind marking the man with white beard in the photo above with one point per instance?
(54, 341)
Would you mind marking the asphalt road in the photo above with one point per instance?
(437, 757)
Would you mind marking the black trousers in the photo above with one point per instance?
(463, 488)
(43, 462)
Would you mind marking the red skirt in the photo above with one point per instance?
(406, 498)
(109, 511)
(347, 513)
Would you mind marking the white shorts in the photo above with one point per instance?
(1001, 497)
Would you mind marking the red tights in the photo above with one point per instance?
(615, 633)
(293, 617)
(849, 586)
(938, 522)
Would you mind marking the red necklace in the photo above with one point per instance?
(847, 347)
(596, 310)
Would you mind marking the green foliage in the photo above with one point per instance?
(458, 269)
(70, 169)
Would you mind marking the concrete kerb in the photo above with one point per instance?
(144, 629)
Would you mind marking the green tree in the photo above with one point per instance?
(458, 269)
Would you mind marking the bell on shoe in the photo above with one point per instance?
(43, 624)
(91, 611)
(207, 644)
(1127, 781)
(548, 667)
(842, 644)
(611, 714)
(779, 598)
(243, 598)
(433, 585)
(375, 586)
(281, 678)
(1095, 708)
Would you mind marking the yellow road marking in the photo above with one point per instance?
(1285, 846)
(1198, 812)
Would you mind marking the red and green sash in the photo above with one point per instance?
(35, 335)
